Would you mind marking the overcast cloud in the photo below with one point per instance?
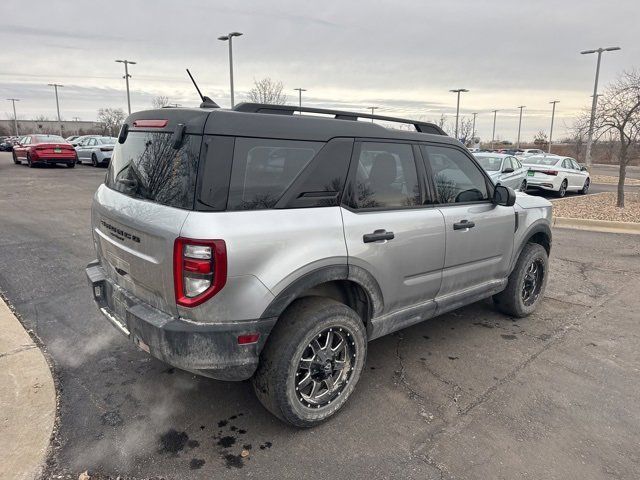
(402, 56)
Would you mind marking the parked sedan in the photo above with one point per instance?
(557, 174)
(504, 169)
(44, 149)
(96, 148)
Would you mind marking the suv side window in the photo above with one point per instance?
(264, 168)
(386, 177)
(456, 177)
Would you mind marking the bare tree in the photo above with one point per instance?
(112, 119)
(465, 130)
(578, 132)
(619, 111)
(160, 101)
(267, 91)
(541, 140)
(41, 118)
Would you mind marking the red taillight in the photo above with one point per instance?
(248, 338)
(550, 172)
(199, 270)
(150, 123)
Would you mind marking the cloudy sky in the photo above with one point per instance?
(401, 55)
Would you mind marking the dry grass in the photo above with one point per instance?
(600, 206)
(611, 180)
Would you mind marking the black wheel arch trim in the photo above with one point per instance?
(539, 226)
(325, 274)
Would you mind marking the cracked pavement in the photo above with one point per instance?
(473, 394)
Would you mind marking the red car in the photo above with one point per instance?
(44, 149)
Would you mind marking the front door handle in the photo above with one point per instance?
(464, 224)
(377, 236)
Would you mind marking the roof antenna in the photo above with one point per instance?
(206, 101)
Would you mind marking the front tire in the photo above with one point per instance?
(312, 361)
(585, 188)
(526, 284)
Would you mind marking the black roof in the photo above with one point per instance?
(279, 121)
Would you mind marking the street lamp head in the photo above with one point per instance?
(235, 34)
(611, 49)
(554, 101)
(459, 90)
(224, 38)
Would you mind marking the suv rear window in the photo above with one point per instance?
(147, 166)
(263, 169)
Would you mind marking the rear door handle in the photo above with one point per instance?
(463, 225)
(377, 236)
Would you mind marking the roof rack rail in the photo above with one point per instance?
(422, 127)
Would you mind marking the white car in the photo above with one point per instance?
(527, 152)
(504, 169)
(556, 173)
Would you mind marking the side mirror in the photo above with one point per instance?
(583, 169)
(504, 196)
(507, 170)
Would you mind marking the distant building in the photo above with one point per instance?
(64, 128)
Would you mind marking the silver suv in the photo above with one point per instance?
(255, 243)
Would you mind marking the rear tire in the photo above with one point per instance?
(526, 284)
(94, 160)
(523, 186)
(585, 188)
(563, 189)
(300, 358)
(71, 165)
(15, 159)
(29, 162)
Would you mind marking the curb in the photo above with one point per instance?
(597, 225)
(27, 401)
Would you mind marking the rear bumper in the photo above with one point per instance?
(66, 159)
(208, 349)
(549, 183)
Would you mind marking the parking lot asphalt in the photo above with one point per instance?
(473, 394)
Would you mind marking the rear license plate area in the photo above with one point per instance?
(531, 173)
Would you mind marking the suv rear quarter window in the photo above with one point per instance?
(263, 169)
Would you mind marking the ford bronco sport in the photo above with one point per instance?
(255, 243)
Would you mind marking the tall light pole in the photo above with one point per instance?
(493, 135)
(473, 128)
(372, 110)
(127, 77)
(15, 117)
(553, 114)
(224, 38)
(300, 90)
(55, 87)
(521, 107)
(594, 103)
(458, 91)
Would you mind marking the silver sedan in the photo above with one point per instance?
(96, 148)
(503, 169)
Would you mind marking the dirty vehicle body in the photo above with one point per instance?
(254, 243)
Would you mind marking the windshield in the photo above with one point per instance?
(147, 166)
(546, 161)
(49, 139)
(490, 164)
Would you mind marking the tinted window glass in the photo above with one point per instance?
(490, 164)
(386, 177)
(147, 166)
(456, 177)
(264, 168)
(48, 139)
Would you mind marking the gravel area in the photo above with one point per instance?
(600, 206)
(611, 180)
